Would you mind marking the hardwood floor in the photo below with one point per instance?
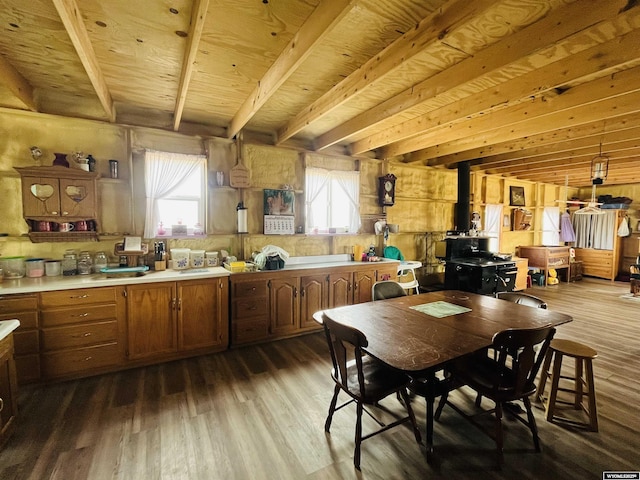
(258, 413)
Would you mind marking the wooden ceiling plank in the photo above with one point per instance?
(73, 23)
(552, 28)
(18, 85)
(610, 143)
(597, 59)
(562, 135)
(431, 29)
(198, 15)
(617, 157)
(539, 115)
(323, 19)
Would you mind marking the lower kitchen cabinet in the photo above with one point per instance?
(275, 304)
(172, 317)
(80, 331)
(8, 389)
(24, 307)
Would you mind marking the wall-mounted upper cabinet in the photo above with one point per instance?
(55, 195)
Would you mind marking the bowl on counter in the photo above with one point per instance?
(13, 267)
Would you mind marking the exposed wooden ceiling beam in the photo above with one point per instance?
(73, 23)
(600, 129)
(198, 15)
(552, 28)
(322, 20)
(18, 85)
(616, 159)
(603, 98)
(432, 29)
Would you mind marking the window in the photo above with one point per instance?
(332, 201)
(175, 187)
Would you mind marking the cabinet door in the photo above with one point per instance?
(362, 285)
(285, 310)
(202, 314)
(77, 198)
(8, 389)
(151, 319)
(340, 292)
(314, 296)
(40, 196)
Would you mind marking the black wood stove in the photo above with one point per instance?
(471, 267)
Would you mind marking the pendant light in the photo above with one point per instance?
(599, 168)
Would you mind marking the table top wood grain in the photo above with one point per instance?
(412, 341)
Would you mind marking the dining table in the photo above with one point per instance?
(420, 334)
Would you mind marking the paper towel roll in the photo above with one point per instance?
(242, 220)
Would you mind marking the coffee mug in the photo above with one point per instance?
(43, 226)
(82, 226)
(65, 227)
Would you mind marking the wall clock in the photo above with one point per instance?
(387, 190)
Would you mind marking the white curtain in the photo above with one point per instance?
(163, 172)
(493, 225)
(595, 230)
(316, 179)
(551, 226)
(350, 183)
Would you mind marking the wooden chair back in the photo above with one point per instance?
(387, 289)
(518, 360)
(522, 299)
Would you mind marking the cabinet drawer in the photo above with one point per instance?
(250, 307)
(81, 296)
(66, 362)
(27, 319)
(18, 303)
(26, 342)
(249, 289)
(250, 331)
(87, 313)
(79, 335)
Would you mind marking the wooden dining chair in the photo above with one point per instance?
(364, 379)
(387, 289)
(522, 299)
(508, 377)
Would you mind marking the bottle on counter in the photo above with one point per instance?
(85, 263)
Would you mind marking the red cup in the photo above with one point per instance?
(82, 226)
(43, 226)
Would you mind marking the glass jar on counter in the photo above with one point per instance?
(69, 263)
(100, 261)
(85, 263)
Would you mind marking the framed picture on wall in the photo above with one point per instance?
(516, 196)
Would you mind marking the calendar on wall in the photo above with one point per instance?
(279, 225)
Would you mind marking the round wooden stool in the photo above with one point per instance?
(583, 381)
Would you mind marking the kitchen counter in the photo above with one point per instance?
(8, 326)
(46, 284)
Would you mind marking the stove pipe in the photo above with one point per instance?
(462, 215)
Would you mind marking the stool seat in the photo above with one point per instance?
(573, 349)
(583, 382)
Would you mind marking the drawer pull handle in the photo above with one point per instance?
(1, 404)
(80, 296)
(87, 359)
(81, 315)
(80, 335)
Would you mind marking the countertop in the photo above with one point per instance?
(8, 326)
(45, 284)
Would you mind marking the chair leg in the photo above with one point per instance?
(544, 374)
(443, 401)
(358, 439)
(499, 437)
(532, 423)
(412, 416)
(332, 408)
